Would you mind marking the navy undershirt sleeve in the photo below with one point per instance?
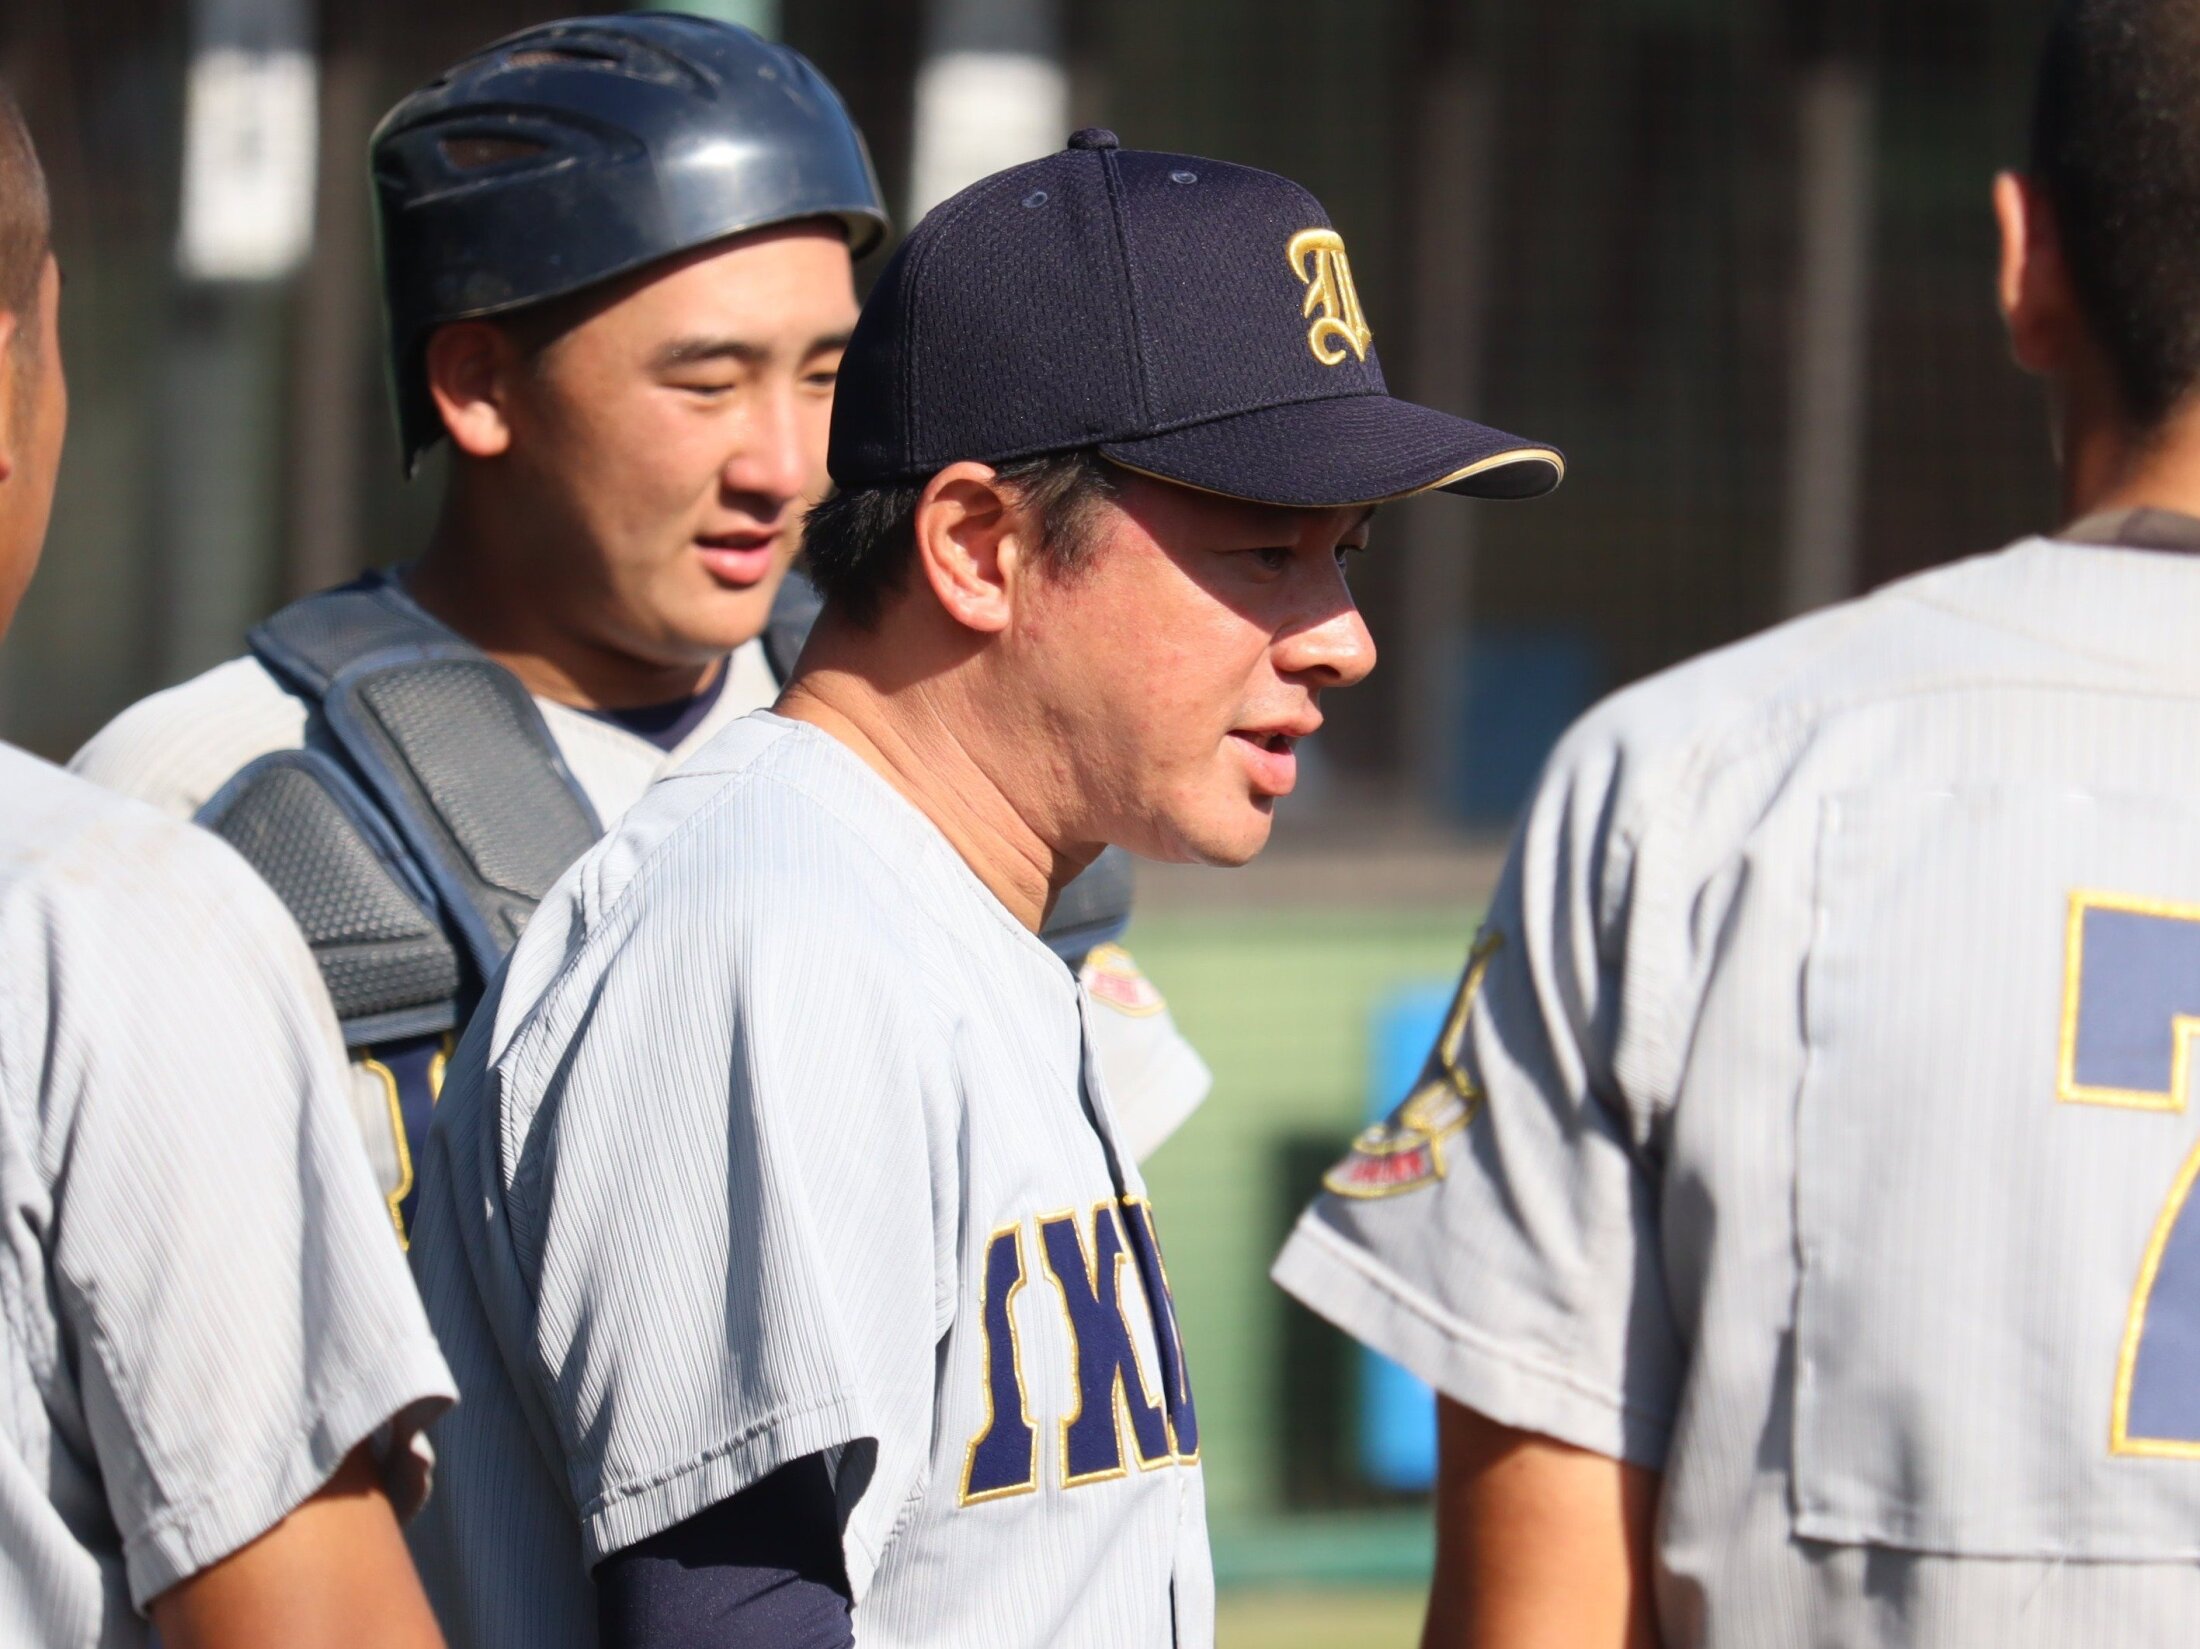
(762, 1570)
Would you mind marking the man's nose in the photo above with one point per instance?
(1334, 650)
(770, 461)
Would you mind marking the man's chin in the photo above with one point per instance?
(724, 618)
(1227, 844)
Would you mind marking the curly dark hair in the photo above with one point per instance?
(2116, 147)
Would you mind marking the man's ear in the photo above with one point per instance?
(968, 530)
(2038, 303)
(470, 369)
(11, 391)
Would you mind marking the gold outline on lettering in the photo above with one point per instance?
(1030, 1484)
(396, 1105)
(2183, 1027)
(1143, 1208)
(1118, 1397)
(2120, 1440)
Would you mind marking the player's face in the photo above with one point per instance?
(34, 413)
(677, 438)
(1185, 661)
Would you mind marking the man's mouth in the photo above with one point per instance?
(1270, 759)
(741, 559)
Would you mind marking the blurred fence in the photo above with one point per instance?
(1734, 256)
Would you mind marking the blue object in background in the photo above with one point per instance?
(1397, 1412)
(1520, 690)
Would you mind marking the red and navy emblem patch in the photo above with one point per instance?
(1406, 1149)
(1113, 980)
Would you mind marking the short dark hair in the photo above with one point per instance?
(2116, 147)
(26, 223)
(857, 544)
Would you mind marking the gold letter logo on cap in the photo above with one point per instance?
(1317, 258)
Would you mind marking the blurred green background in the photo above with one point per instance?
(1345, 1618)
(1279, 1001)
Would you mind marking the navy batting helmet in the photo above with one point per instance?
(578, 151)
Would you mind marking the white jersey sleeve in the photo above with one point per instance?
(1537, 1298)
(215, 1314)
(1155, 1078)
(773, 1125)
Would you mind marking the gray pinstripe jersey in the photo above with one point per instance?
(781, 1136)
(176, 748)
(201, 1312)
(1816, 1123)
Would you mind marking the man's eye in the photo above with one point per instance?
(707, 388)
(1345, 553)
(822, 380)
(1274, 558)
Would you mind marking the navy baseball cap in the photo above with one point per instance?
(1186, 318)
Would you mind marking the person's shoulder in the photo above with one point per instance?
(774, 849)
(732, 900)
(771, 812)
(93, 856)
(1692, 720)
(175, 749)
(818, 845)
(46, 814)
(51, 819)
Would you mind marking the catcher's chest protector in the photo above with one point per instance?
(426, 818)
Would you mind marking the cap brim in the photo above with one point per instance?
(1350, 450)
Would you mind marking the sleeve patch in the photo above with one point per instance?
(1113, 979)
(1405, 1151)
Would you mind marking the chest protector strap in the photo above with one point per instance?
(426, 820)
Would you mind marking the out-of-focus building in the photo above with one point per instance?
(1732, 256)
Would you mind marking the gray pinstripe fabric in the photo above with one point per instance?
(1774, 1180)
(176, 748)
(712, 1186)
(203, 1311)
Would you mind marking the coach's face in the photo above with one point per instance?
(34, 412)
(664, 451)
(1186, 658)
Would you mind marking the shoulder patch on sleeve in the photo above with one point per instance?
(1405, 1151)
(1114, 981)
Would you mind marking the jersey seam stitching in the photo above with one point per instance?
(161, 1532)
(1457, 1329)
(608, 1498)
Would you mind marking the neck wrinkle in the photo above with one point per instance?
(907, 740)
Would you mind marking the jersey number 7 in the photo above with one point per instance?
(2131, 1010)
